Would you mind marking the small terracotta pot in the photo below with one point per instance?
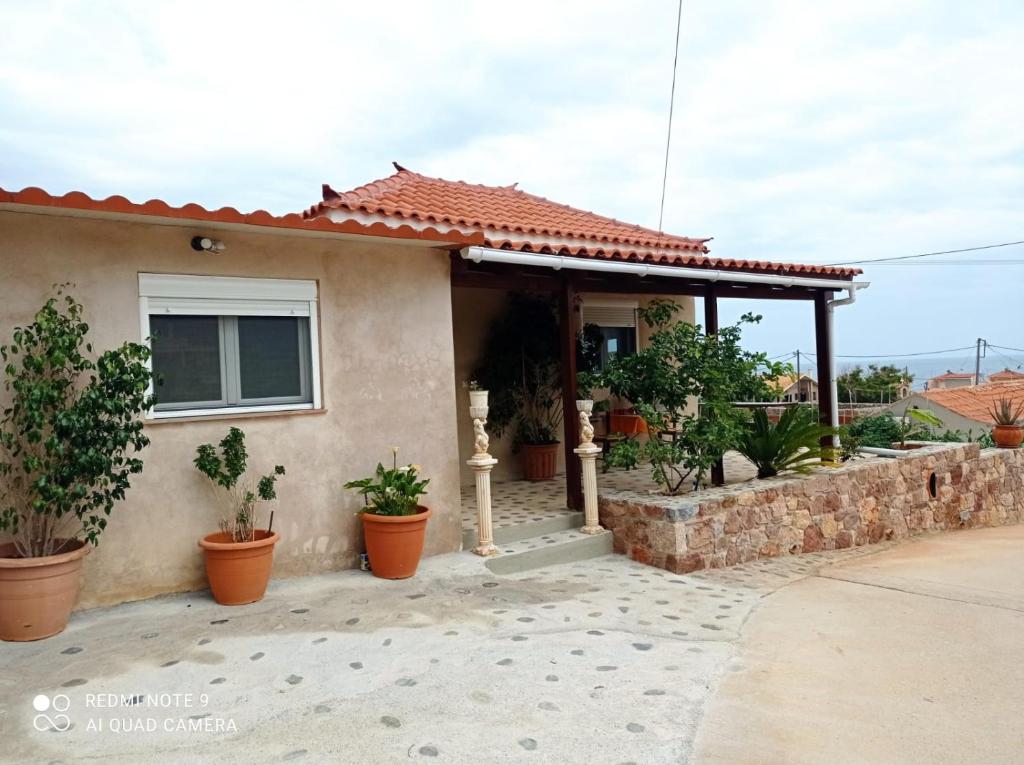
(394, 543)
(37, 594)
(539, 461)
(238, 572)
(1008, 436)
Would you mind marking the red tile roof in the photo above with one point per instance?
(118, 205)
(515, 220)
(955, 376)
(1006, 375)
(975, 401)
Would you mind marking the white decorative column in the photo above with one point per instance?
(588, 452)
(482, 464)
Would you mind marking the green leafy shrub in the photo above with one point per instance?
(226, 469)
(680, 365)
(71, 432)
(391, 491)
(878, 431)
(791, 444)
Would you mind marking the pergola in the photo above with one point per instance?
(566, 277)
(501, 237)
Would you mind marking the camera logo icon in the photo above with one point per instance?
(51, 712)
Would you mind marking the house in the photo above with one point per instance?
(965, 409)
(1006, 375)
(950, 380)
(333, 335)
(792, 389)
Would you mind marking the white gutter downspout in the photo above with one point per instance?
(851, 297)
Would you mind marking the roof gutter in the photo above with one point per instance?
(558, 262)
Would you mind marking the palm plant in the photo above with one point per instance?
(791, 444)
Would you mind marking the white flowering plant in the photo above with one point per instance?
(391, 491)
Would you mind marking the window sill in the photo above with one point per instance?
(257, 415)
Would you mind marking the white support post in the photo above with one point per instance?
(482, 464)
(588, 452)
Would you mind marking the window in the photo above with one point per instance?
(230, 345)
(613, 327)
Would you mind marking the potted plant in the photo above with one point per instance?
(239, 556)
(1007, 432)
(69, 441)
(477, 395)
(394, 523)
(521, 369)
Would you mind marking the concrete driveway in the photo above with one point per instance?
(914, 655)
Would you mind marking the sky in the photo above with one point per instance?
(816, 132)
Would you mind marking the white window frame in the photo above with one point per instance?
(631, 305)
(182, 295)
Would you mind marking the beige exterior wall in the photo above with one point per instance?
(950, 419)
(387, 361)
(473, 311)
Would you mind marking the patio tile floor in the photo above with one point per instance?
(518, 502)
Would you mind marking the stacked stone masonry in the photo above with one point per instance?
(935, 488)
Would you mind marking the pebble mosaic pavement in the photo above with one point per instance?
(602, 661)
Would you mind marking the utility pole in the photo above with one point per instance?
(979, 354)
(799, 387)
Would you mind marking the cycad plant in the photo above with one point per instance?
(793, 443)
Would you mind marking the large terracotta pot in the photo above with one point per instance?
(37, 594)
(539, 461)
(1008, 436)
(394, 543)
(238, 572)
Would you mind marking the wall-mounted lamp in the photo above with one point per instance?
(206, 244)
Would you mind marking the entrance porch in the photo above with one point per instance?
(533, 527)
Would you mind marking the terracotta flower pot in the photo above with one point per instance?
(37, 594)
(1008, 436)
(539, 461)
(395, 542)
(238, 572)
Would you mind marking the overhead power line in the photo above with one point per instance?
(926, 254)
(671, 108)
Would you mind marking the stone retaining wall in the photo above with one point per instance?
(938, 487)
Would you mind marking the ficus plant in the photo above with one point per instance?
(71, 430)
(226, 468)
(683, 384)
(521, 368)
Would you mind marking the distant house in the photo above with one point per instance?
(1007, 375)
(950, 380)
(964, 408)
(793, 389)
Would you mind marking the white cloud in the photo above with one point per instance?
(804, 130)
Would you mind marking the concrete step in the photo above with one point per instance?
(566, 546)
(549, 524)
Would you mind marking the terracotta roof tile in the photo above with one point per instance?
(955, 376)
(1005, 375)
(76, 200)
(974, 402)
(512, 219)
